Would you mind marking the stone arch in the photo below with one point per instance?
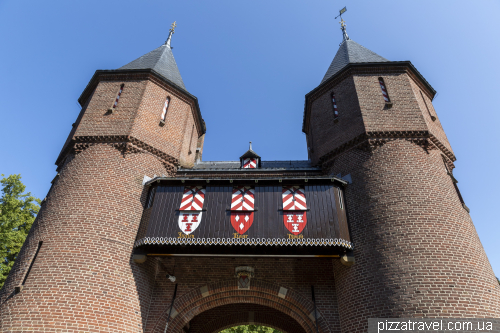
(203, 298)
(225, 316)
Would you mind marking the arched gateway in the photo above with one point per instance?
(134, 208)
(218, 305)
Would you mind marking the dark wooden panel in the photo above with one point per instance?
(167, 200)
(325, 219)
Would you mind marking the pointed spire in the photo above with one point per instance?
(250, 145)
(161, 60)
(172, 31)
(349, 52)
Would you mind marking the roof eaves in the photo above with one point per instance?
(231, 180)
(240, 170)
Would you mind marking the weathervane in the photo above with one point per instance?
(342, 24)
(172, 31)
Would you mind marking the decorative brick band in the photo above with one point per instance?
(226, 292)
(245, 241)
(126, 144)
(372, 140)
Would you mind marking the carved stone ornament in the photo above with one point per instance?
(244, 274)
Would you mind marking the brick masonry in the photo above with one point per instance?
(417, 252)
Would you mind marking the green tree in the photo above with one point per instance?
(250, 329)
(17, 213)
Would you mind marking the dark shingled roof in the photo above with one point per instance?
(351, 52)
(249, 154)
(162, 61)
(236, 166)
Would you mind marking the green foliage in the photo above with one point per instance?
(250, 329)
(17, 214)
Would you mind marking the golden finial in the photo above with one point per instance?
(342, 23)
(172, 28)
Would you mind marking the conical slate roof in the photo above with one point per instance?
(162, 61)
(351, 52)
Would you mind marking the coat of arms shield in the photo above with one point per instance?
(189, 221)
(241, 221)
(191, 208)
(294, 209)
(242, 208)
(295, 221)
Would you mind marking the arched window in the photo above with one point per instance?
(384, 90)
(334, 106)
(118, 96)
(165, 109)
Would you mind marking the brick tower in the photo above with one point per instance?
(137, 234)
(416, 249)
(137, 120)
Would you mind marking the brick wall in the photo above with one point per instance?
(225, 300)
(417, 251)
(325, 134)
(82, 279)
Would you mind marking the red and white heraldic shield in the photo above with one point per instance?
(243, 198)
(242, 208)
(189, 221)
(193, 198)
(250, 163)
(294, 198)
(295, 221)
(191, 208)
(241, 221)
(294, 209)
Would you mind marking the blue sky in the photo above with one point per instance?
(250, 63)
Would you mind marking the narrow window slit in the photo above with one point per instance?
(20, 287)
(334, 106)
(384, 91)
(118, 96)
(164, 112)
(429, 111)
(191, 140)
(454, 181)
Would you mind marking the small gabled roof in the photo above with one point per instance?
(250, 154)
(351, 52)
(162, 61)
